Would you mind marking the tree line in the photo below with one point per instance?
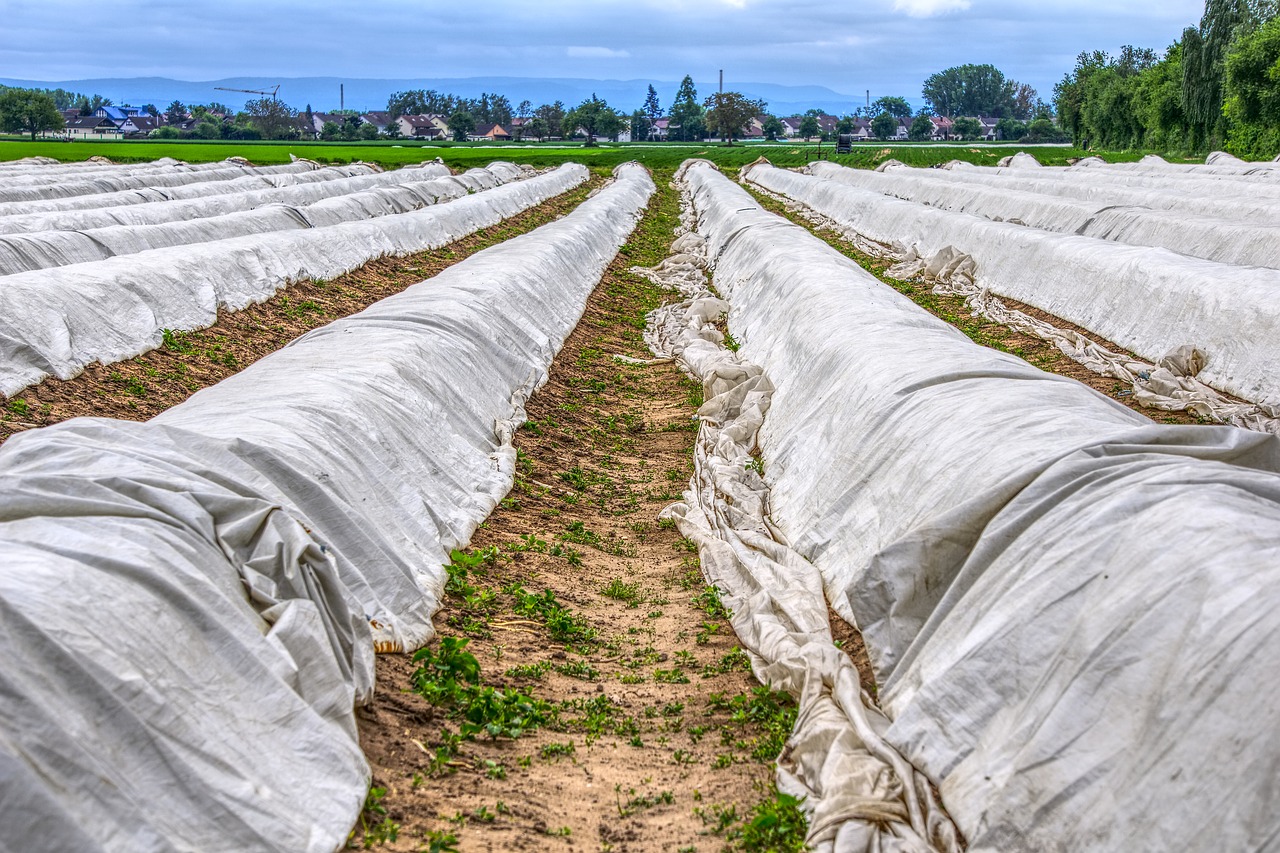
(1218, 86)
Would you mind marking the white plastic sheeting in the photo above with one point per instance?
(41, 250)
(190, 605)
(1072, 611)
(156, 212)
(113, 182)
(1147, 300)
(1198, 179)
(55, 321)
(165, 165)
(266, 178)
(1239, 206)
(1227, 240)
(858, 793)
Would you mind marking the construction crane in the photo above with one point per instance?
(271, 92)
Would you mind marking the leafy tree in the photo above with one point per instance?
(271, 117)
(921, 129)
(28, 111)
(552, 116)
(967, 128)
(1252, 92)
(809, 127)
(773, 128)
(639, 126)
(1010, 129)
(846, 125)
(176, 112)
(729, 114)
(330, 130)
(165, 132)
(368, 132)
(687, 115)
(595, 118)
(974, 90)
(884, 126)
(537, 128)
(896, 107)
(461, 124)
(1204, 53)
(421, 102)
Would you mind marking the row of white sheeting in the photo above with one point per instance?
(191, 604)
(257, 179)
(1241, 206)
(46, 249)
(857, 792)
(44, 176)
(1227, 240)
(1147, 300)
(1218, 163)
(55, 321)
(156, 212)
(1206, 183)
(1072, 611)
(95, 184)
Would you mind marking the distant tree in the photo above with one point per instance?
(687, 115)
(971, 90)
(1044, 130)
(461, 123)
(165, 132)
(525, 109)
(896, 107)
(814, 111)
(639, 126)
(28, 111)
(330, 130)
(176, 112)
(967, 128)
(845, 125)
(271, 117)
(499, 110)
(552, 116)
(368, 132)
(595, 118)
(884, 126)
(773, 127)
(809, 127)
(652, 109)
(921, 129)
(421, 102)
(523, 112)
(537, 128)
(729, 114)
(1010, 129)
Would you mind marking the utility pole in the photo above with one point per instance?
(342, 98)
(722, 81)
(868, 100)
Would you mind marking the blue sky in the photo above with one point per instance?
(887, 46)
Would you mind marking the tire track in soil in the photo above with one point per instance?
(141, 388)
(660, 719)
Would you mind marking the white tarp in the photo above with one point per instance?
(46, 175)
(1230, 241)
(1147, 300)
(55, 321)
(1073, 612)
(157, 212)
(109, 183)
(1208, 180)
(858, 794)
(42, 250)
(253, 179)
(189, 605)
(1243, 205)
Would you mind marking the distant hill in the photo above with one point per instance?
(368, 94)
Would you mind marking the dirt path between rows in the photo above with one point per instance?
(143, 387)
(574, 598)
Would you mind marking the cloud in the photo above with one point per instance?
(929, 8)
(596, 53)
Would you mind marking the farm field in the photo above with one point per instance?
(613, 445)
(653, 155)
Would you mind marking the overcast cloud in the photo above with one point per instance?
(887, 46)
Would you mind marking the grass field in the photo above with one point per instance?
(657, 156)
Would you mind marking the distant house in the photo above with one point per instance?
(140, 125)
(943, 128)
(486, 132)
(87, 127)
(318, 120)
(424, 127)
(117, 114)
(661, 129)
(989, 127)
(380, 120)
